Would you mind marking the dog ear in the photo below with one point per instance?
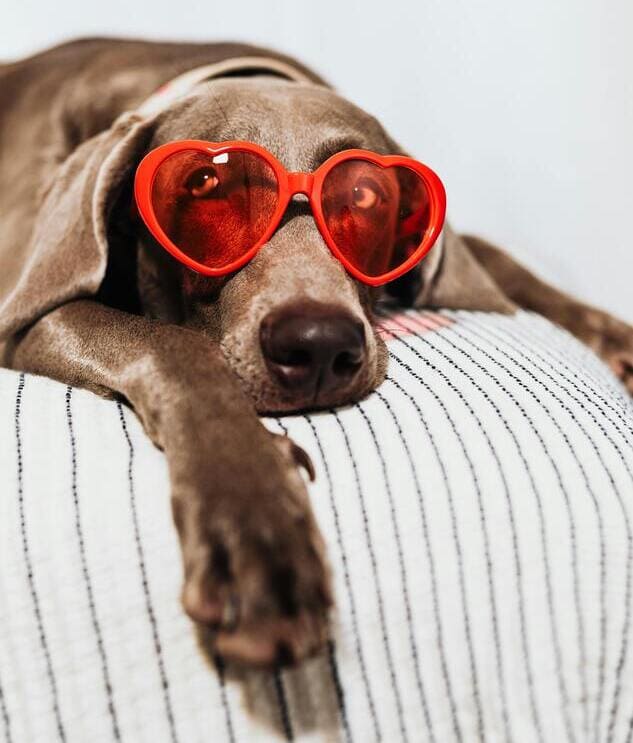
(450, 277)
(66, 255)
(460, 282)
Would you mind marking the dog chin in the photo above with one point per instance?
(289, 406)
(271, 399)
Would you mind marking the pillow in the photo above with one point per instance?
(477, 510)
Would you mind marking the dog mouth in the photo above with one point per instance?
(322, 397)
(280, 403)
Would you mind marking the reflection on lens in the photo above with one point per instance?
(376, 216)
(214, 208)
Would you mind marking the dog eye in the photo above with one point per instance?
(366, 194)
(202, 182)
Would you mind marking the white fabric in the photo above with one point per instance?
(478, 513)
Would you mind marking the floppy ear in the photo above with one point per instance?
(451, 277)
(461, 283)
(66, 255)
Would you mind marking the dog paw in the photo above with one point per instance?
(621, 363)
(615, 346)
(293, 454)
(255, 573)
(610, 338)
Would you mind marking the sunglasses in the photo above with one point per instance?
(213, 205)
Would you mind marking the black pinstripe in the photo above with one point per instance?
(5, 716)
(588, 397)
(29, 566)
(372, 558)
(592, 366)
(606, 435)
(151, 615)
(571, 521)
(591, 392)
(628, 579)
(284, 711)
(543, 533)
(349, 590)
(518, 571)
(487, 554)
(338, 688)
(595, 502)
(495, 625)
(431, 560)
(628, 591)
(415, 656)
(105, 672)
(282, 425)
(418, 490)
(219, 665)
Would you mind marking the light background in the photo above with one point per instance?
(524, 108)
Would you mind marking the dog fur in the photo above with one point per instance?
(87, 298)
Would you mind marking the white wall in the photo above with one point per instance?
(524, 108)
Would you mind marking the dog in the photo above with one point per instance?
(89, 299)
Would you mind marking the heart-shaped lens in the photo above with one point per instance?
(377, 216)
(214, 208)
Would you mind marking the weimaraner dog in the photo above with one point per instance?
(89, 299)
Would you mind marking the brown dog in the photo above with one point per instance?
(88, 299)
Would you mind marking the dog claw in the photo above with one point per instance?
(296, 454)
(302, 458)
(621, 364)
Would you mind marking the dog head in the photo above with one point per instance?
(295, 327)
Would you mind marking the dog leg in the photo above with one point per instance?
(253, 557)
(609, 337)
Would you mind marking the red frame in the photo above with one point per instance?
(289, 184)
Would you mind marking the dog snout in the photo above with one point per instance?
(312, 348)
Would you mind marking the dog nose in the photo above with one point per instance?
(312, 347)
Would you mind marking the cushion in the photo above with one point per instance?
(477, 510)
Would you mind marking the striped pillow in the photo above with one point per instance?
(478, 513)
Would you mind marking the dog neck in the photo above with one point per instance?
(180, 86)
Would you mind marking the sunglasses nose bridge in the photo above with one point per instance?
(300, 183)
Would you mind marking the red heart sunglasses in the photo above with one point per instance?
(213, 205)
